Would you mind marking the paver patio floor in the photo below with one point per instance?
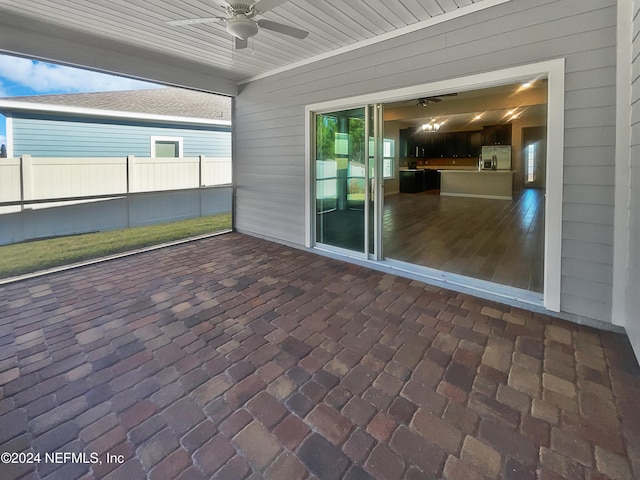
(233, 357)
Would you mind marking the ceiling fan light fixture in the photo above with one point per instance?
(242, 28)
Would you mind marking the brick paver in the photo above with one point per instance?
(235, 358)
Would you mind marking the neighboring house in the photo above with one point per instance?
(163, 122)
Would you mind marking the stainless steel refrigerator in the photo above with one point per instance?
(496, 157)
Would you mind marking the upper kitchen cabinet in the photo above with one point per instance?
(441, 144)
(497, 134)
(476, 140)
(403, 136)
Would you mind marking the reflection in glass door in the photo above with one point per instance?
(342, 180)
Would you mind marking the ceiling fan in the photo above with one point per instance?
(241, 23)
(423, 102)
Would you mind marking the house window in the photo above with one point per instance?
(166, 147)
(531, 162)
(388, 151)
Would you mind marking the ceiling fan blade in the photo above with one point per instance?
(265, 5)
(194, 21)
(280, 28)
(239, 43)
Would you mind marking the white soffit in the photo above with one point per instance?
(334, 26)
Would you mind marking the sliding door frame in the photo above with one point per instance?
(554, 72)
(373, 196)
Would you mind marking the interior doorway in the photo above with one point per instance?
(461, 207)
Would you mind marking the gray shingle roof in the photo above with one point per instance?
(159, 101)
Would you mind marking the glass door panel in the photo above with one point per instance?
(341, 179)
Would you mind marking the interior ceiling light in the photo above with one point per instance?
(431, 126)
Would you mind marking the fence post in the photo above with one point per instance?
(130, 161)
(200, 165)
(130, 179)
(26, 179)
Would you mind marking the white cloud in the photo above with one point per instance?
(46, 78)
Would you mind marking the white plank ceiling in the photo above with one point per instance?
(333, 24)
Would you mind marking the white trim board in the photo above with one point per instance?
(554, 71)
(179, 140)
(95, 112)
(619, 313)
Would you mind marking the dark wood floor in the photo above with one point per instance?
(497, 240)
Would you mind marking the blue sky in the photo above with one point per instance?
(20, 77)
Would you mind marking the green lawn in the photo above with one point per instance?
(34, 256)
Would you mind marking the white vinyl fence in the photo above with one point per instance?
(28, 178)
(10, 183)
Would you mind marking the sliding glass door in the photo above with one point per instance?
(345, 181)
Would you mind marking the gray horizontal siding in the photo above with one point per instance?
(59, 137)
(589, 194)
(270, 118)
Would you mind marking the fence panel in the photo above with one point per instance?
(216, 171)
(51, 178)
(74, 177)
(9, 183)
(157, 174)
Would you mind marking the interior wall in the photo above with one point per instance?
(270, 136)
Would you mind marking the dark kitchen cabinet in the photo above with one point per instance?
(412, 181)
(497, 135)
(459, 144)
(475, 144)
(404, 146)
(417, 144)
(438, 145)
(431, 180)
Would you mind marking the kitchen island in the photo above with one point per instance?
(477, 183)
